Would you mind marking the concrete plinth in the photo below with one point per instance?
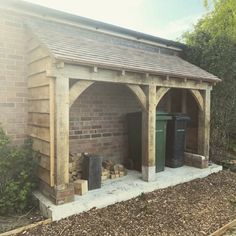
(122, 189)
(149, 173)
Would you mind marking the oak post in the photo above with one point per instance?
(204, 125)
(184, 101)
(148, 135)
(62, 131)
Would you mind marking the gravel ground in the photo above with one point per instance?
(198, 208)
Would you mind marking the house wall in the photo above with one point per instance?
(98, 121)
(13, 70)
(111, 39)
(13, 81)
(24, 92)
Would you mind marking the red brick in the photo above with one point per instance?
(13, 78)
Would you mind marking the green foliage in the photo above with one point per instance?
(17, 179)
(212, 46)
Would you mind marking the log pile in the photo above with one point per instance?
(81, 186)
(75, 166)
(111, 170)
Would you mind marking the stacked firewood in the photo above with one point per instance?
(111, 170)
(75, 166)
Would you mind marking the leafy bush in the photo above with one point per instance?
(212, 46)
(17, 179)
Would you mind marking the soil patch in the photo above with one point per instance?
(8, 223)
(199, 207)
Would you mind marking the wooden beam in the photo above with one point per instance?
(149, 135)
(52, 132)
(140, 95)
(77, 89)
(160, 94)
(169, 102)
(62, 130)
(198, 98)
(38, 80)
(184, 101)
(204, 125)
(108, 75)
(207, 108)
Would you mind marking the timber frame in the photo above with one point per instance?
(51, 94)
(62, 56)
(148, 89)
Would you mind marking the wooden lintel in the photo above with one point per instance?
(105, 75)
(198, 81)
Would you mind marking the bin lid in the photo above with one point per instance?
(180, 116)
(163, 116)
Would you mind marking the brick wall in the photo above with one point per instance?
(13, 86)
(98, 121)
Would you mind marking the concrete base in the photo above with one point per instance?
(122, 189)
(149, 173)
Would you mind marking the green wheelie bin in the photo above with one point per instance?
(161, 124)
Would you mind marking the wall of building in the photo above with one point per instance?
(111, 39)
(13, 70)
(13, 83)
(98, 121)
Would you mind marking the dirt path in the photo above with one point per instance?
(198, 208)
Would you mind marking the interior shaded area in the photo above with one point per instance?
(98, 121)
(173, 102)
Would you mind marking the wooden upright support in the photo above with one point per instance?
(204, 125)
(62, 131)
(148, 135)
(184, 101)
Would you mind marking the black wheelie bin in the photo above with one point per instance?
(175, 141)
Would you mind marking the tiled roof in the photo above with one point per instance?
(76, 45)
